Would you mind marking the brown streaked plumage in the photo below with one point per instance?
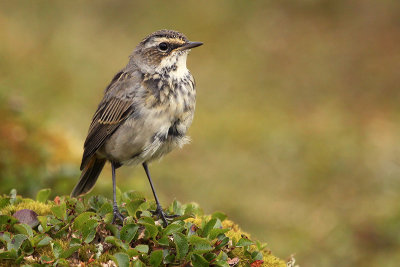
(145, 112)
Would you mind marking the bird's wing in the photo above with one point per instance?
(110, 114)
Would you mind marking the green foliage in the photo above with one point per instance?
(43, 195)
(76, 231)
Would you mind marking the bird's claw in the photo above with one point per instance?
(159, 212)
(117, 215)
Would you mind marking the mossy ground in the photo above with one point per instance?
(72, 232)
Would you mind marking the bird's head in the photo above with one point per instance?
(163, 50)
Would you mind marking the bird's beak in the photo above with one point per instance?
(190, 45)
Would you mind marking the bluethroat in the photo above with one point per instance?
(144, 114)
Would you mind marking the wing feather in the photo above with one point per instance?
(110, 114)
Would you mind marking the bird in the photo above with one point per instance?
(145, 113)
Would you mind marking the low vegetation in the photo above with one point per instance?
(79, 232)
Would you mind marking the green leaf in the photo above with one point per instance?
(219, 215)
(16, 242)
(113, 229)
(172, 228)
(111, 239)
(214, 233)
(88, 230)
(7, 220)
(133, 206)
(145, 206)
(209, 225)
(43, 195)
(19, 259)
(130, 220)
(108, 218)
(199, 261)
(105, 208)
(146, 213)
(43, 223)
(132, 195)
(27, 248)
(67, 253)
(176, 208)
(261, 246)
(116, 242)
(61, 232)
(202, 248)
(96, 202)
(148, 220)
(256, 255)
(163, 241)
(156, 258)
(142, 248)
(168, 257)
(209, 256)
(24, 229)
(220, 263)
(60, 211)
(192, 209)
(201, 245)
(56, 249)
(194, 239)
(46, 259)
(54, 221)
(76, 205)
(181, 245)
(222, 256)
(82, 219)
(75, 241)
(223, 241)
(244, 242)
(152, 230)
(122, 259)
(128, 232)
(89, 235)
(5, 237)
(138, 263)
(132, 252)
(43, 241)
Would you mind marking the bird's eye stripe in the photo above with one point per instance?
(174, 46)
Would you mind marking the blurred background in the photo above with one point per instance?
(296, 133)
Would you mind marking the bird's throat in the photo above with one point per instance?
(174, 66)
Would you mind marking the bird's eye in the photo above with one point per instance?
(163, 46)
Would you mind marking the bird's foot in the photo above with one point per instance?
(117, 215)
(163, 216)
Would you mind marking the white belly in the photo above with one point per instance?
(145, 138)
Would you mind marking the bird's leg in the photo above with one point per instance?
(159, 211)
(116, 213)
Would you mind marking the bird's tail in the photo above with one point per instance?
(89, 176)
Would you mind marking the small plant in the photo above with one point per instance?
(66, 232)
